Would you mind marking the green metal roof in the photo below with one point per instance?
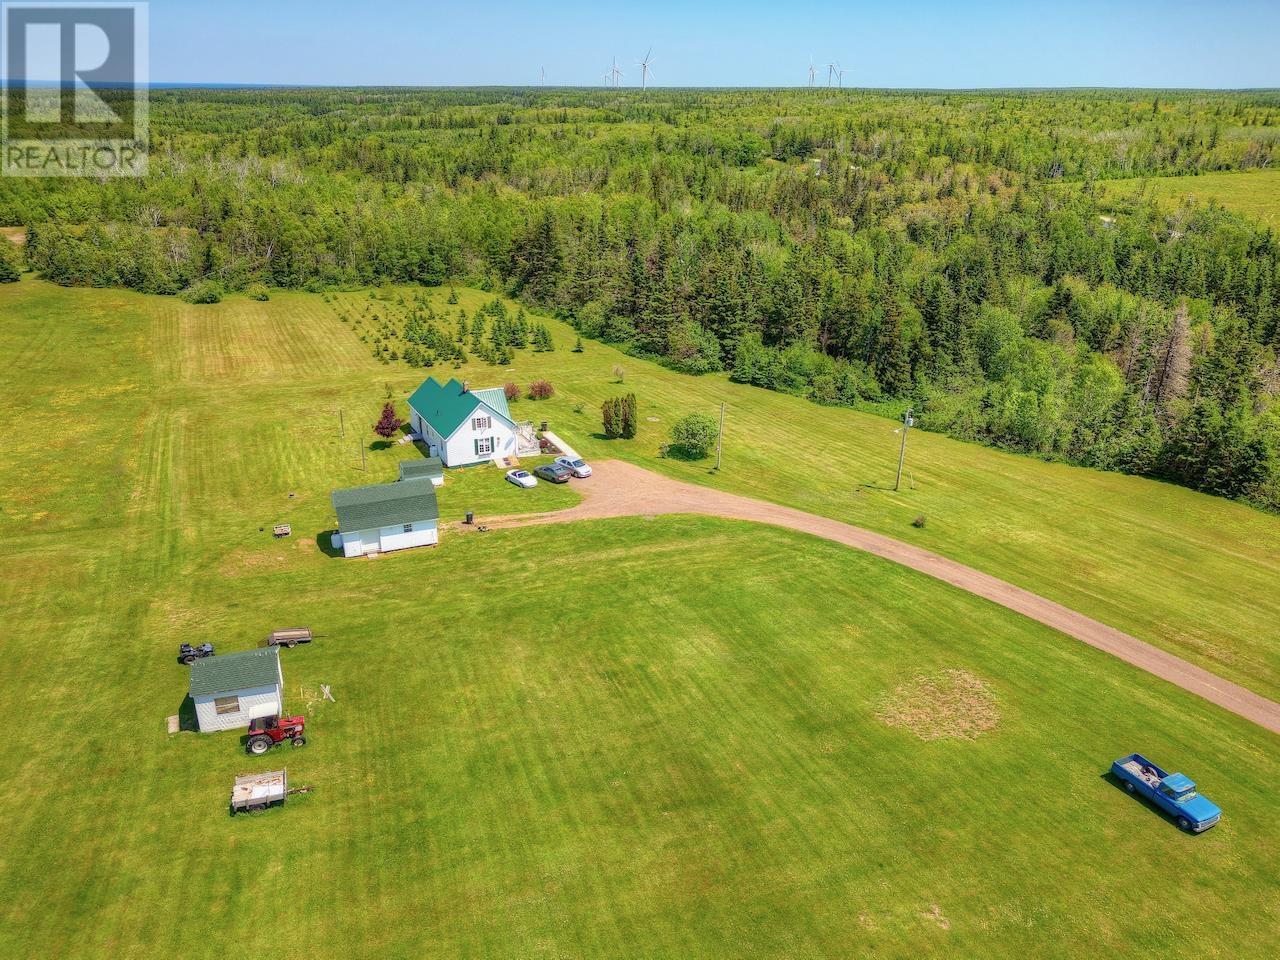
(417, 469)
(446, 406)
(385, 505)
(235, 671)
(496, 399)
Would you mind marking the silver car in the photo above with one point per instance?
(575, 465)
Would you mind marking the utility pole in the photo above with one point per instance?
(720, 438)
(342, 427)
(907, 423)
(363, 465)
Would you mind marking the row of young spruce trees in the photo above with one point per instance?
(953, 251)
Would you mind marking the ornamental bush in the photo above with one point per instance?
(693, 436)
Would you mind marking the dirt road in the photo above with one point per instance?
(620, 489)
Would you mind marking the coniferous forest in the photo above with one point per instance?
(954, 251)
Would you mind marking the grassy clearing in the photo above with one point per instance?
(1255, 194)
(1150, 558)
(1147, 557)
(652, 738)
(479, 490)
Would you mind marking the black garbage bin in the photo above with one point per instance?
(471, 517)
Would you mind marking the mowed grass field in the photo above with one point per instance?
(624, 738)
(1255, 194)
(1194, 574)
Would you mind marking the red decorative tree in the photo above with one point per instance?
(389, 424)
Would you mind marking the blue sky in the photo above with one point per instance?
(917, 43)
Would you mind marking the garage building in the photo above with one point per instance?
(386, 517)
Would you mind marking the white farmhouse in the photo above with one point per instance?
(386, 517)
(232, 689)
(463, 426)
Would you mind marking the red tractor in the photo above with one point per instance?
(268, 732)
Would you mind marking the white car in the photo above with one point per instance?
(575, 465)
(522, 478)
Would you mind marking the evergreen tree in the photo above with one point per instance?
(890, 359)
(9, 272)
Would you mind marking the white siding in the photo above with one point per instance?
(254, 702)
(353, 543)
(435, 443)
(357, 543)
(397, 538)
(461, 448)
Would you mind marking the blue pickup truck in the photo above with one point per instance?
(1174, 793)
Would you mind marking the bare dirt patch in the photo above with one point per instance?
(247, 560)
(934, 913)
(952, 704)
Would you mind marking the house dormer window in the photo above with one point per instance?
(481, 423)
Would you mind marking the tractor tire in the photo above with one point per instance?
(299, 741)
(1184, 824)
(188, 660)
(1128, 787)
(258, 746)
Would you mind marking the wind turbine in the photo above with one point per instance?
(831, 69)
(644, 68)
(615, 73)
(840, 76)
(812, 72)
(542, 78)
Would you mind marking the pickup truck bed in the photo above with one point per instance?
(1148, 775)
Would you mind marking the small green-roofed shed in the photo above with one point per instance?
(385, 505)
(233, 689)
(429, 469)
(235, 671)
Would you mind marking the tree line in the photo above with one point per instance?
(954, 250)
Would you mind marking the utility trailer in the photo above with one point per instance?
(290, 637)
(257, 791)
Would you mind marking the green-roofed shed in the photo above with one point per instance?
(232, 689)
(429, 469)
(460, 425)
(386, 517)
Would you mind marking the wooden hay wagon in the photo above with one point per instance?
(257, 791)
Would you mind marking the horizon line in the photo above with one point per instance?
(252, 85)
